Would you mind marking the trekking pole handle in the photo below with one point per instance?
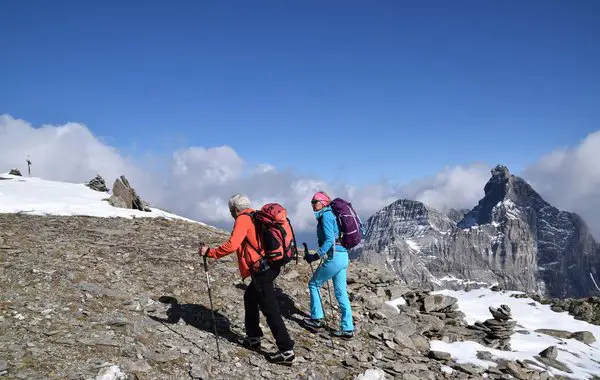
(204, 258)
(305, 247)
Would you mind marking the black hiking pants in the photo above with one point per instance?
(260, 295)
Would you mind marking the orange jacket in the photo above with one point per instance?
(242, 234)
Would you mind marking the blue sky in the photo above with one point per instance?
(367, 90)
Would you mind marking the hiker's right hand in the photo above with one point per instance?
(203, 250)
(309, 258)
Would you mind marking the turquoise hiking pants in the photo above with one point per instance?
(335, 268)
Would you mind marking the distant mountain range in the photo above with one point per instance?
(511, 237)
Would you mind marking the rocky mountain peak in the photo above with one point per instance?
(408, 217)
(500, 173)
(496, 190)
(512, 236)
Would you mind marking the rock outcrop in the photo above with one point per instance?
(16, 172)
(584, 309)
(512, 237)
(97, 183)
(124, 196)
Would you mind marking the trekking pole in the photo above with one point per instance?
(212, 309)
(320, 299)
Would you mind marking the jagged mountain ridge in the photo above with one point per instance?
(512, 237)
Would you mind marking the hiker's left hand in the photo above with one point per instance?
(203, 250)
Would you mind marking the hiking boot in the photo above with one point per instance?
(282, 357)
(314, 323)
(252, 343)
(346, 334)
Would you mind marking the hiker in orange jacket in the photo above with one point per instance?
(260, 294)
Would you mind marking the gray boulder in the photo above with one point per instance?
(124, 196)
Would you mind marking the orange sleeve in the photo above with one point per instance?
(240, 230)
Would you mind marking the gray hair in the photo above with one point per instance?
(239, 202)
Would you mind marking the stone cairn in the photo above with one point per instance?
(499, 329)
(97, 183)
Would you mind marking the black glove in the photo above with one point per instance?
(309, 258)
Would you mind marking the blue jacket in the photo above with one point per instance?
(327, 232)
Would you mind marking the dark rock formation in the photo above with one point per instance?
(97, 183)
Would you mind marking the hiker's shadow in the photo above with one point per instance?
(197, 316)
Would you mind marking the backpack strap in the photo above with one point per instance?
(247, 242)
(337, 221)
(251, 215)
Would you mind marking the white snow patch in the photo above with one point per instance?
(371, 374)
(110, 373)
(446, 369)
(582, 359)
(451, 278)
(512, 211)
(396, 302)
(413, 244)
(497, 239)
(35, 196)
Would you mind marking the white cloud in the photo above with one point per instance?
(199, 181)
(456, 187)
(199, 165)
(569, 178)
(68, 152)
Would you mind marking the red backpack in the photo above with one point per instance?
(274, 233)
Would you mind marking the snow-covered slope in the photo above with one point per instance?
(36, 196)
(581, 358)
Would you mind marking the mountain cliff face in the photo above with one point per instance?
(512, 237)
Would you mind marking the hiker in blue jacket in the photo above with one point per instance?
(334, 265)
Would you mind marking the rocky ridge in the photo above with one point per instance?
(512, 237)
(88, 296)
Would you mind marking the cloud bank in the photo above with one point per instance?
(569, 178)
(198, 181)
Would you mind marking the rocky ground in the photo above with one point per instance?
(584, 309)
(81, 295)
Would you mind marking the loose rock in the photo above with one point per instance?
(584, 336)
(550, 352)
